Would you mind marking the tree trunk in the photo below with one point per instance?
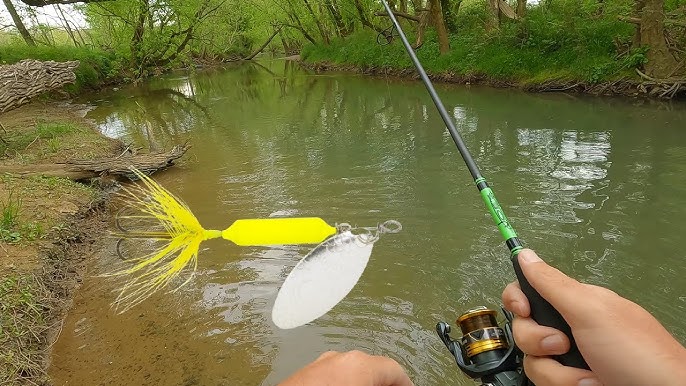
(363, 17)
(263, 46)
(493, 10)
(521, 8)
(137, 38)
(336, 17)
(18, 23)
(318, 22)
(439, 24)
(638, 6)
(403, 6)
(661, 63)
(423, 21)
(298, 24)
(448, 15)
(65, 23)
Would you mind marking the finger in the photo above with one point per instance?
(388, 372)
(514, 300)
(534, 339)
(563, 292)
(325, 355)
(549, 372)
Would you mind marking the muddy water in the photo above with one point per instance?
(597, 186)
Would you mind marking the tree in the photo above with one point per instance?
(439, 24)
(449, 14)
(18, 23)
(335, 13)
(521, 8)
(493, 10)
(650, 33)
(661, 62)
(320, 26)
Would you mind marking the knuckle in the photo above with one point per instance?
(356, 355)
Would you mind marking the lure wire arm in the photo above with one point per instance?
(370, 235)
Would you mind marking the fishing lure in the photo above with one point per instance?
(159, 222)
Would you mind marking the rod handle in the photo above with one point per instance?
(546, 315)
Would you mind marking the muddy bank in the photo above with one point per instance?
(48, 227)
(630, 88)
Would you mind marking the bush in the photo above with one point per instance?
(566, 41)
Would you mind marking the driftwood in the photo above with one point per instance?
(22, 81)
(103, 167)
(662, 88)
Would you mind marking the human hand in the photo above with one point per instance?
(622, 343)
(353, 368)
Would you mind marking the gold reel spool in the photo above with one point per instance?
(480, 331)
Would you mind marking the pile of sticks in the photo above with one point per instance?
(29, 78)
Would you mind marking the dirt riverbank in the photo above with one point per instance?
(47, 229)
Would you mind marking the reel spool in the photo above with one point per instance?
(481, 335)
(486, 351)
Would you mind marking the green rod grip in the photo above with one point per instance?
(541, 310)
(497, 213)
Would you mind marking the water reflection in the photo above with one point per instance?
(592, 184)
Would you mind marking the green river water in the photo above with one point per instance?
(597, 186)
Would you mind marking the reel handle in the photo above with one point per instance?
(546, 315)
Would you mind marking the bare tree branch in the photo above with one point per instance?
(43, 3)
(399, 14)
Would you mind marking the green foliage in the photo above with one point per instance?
(48, 130)
(562, 42)
(9, 219)
(11, 230)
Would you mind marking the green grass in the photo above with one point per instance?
(11, 229)
(49, 131)
(9, 219)
(561, 44)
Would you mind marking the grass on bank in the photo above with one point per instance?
(24, 304)
(549, 45)
(12, 229)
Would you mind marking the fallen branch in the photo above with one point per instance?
(113, 166)
(666, 88)
(22, 81)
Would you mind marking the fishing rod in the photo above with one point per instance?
(541, 310)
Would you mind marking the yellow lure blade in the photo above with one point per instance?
(276, 231)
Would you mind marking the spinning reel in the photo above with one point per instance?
(486, 351)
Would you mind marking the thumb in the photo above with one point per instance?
(561, 291)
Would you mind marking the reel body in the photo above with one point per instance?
(485, 351)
